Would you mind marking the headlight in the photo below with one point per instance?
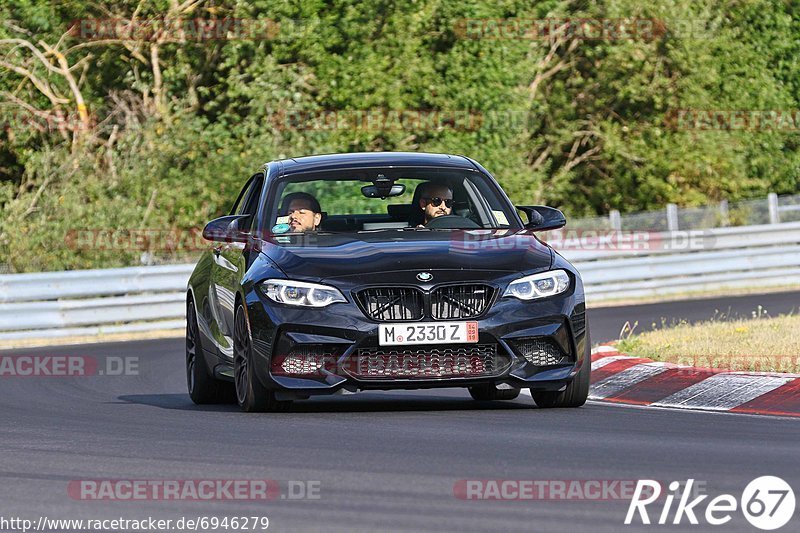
(539, 285)
(300, 293)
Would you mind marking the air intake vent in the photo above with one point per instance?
(540, 351)
(306, 359)
(425, 363)
(578, 322)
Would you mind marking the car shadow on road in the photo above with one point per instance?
(357, 403)
(181, 402)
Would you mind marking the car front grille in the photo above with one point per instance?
(540, 351)
(460, 301)
(407, 303)
(392, 303)
(476, 360)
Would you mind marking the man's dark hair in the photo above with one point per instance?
(428, 186)
(313, 204)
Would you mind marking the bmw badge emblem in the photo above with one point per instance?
(424, 276)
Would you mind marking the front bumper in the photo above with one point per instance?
(344, 334)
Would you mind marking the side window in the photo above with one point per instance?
(250, 202)
(247, 203)
(239, 203)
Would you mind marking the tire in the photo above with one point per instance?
(577, 391)
(251, 395)
(490, 393)
(203, 387)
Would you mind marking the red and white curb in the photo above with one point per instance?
(621, 378)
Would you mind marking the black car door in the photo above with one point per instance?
(230, 265)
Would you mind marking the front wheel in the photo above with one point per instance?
(251, 395)
(576, 392)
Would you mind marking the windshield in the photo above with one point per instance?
(381, 199)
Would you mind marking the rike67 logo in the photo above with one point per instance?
(767, 502)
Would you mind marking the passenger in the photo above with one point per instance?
(303, 210)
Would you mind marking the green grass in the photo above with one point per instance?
(764, 344)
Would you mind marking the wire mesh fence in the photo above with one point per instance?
(789, 208)
(773, 209)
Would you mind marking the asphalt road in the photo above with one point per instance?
(383, 461)
(607, 322)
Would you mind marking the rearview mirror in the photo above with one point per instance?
(374, 191)
(227, 229)
(542, 218)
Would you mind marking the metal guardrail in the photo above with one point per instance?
(91, 283)
(774, 209)
(692, 261)
(89, 302)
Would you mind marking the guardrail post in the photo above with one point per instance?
(615, 220)
(774, 216)
(724, 214)
(672, 217)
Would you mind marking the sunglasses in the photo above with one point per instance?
(448, 202)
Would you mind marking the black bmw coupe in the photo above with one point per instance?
(377, 271)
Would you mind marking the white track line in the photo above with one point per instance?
(613, 385)
(722, 392)
(662, 409)
(610, 359)
(604, 349)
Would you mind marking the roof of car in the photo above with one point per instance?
(373, 159)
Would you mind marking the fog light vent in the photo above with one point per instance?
(540, 351)
(307, 359)
(298, 364)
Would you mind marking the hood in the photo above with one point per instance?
(370, 255)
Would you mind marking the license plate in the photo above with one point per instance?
(427, 333)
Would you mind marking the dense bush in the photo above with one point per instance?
(172, 129)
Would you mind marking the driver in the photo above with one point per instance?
(303, 210)
(435, 200)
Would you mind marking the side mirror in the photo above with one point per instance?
(543, 218)
(226, 229)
